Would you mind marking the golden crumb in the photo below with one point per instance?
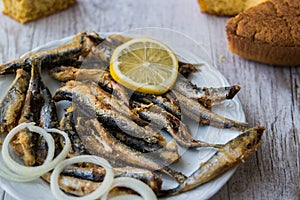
(221, 58)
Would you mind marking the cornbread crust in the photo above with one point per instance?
(28, 10)
(226, 7)
(267, 33)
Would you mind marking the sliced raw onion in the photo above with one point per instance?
(140, 187)
(104, 187)
(35, 171)
(12, 165)
(12, 176)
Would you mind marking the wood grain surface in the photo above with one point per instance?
(270, 95)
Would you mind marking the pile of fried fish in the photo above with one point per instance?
(108, 120)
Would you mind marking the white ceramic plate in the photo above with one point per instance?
(208, 76)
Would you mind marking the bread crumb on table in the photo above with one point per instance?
(221, 58)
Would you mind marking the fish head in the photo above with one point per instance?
(249, 141)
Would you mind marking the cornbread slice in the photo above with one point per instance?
(267, 33)
(226, 7)
(28, 10)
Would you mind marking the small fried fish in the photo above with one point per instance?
(67, 124)
(196, 111)
(206, 96)
(67, 54)
(169, 123)
(234, 152)
(48, 119)
(100, 76)
(25, 142)
(12, 103)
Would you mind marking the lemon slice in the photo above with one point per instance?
(144, 65)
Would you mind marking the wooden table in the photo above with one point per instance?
(270, 95)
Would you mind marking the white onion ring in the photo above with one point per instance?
(6, 173)
(104, 187)
(9, 175)
(143, 189)
(48, 165)
(21, 169)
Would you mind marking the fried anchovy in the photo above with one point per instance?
(48, 116)
(100, 54)
(24, 143)
(81, 45)
(206, 96)
(67, 124)
(206, 116)
(97, 174)
(169, 123)
(48, 120)
(105, 49)
(12, 103)
(84, 97)
(100, 76)
(80, 187)
(176, 104)
(233, 153)
(167, 101)
(98, 141)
